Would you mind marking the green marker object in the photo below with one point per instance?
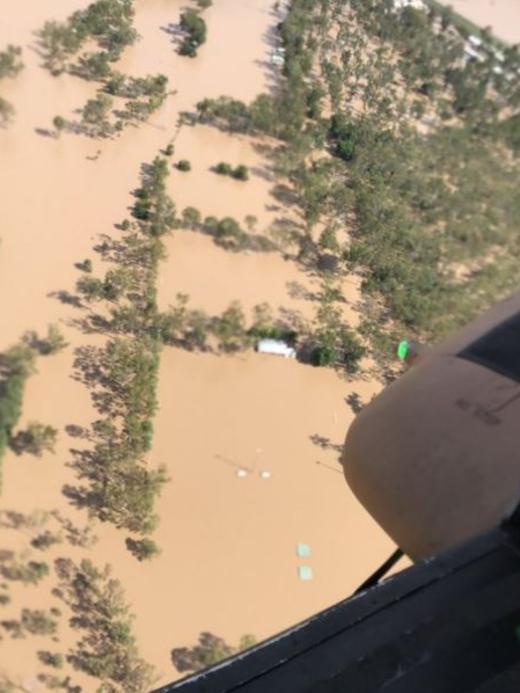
(402, 349)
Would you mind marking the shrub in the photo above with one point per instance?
(230, 327)
(323, 355)
(169, 150)
(10, 61)
(241, 172)
(51, 659)
(38, 622)
(36, 439)
(19, 364)
(45, 540)
(209, 651)
(191, 217)
(59, 123)
(223, 169)
(195, 29)
(6, 111)
(142, 549)
(54, 341)
(183, 165)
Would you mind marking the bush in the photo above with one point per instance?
(45, 540)
(19, 364)
(210, 650)
(36, 439)
(191, 217)
(183, 165)
(59, 123)
(169, 150)
(195, 29)
(10, 61)
(51, 659)
(38, 622)
(241, 172)
(54, 341)
(223, 169)
(29, 573)
(142, 549)
(323, 355)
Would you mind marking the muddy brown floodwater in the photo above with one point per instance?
(228, 563)
(501, 15)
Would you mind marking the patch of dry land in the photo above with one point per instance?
(500, 15)
(228, 562)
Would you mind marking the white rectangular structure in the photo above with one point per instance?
(277, 347)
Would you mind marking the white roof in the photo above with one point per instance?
(400, 4)
(475, 41)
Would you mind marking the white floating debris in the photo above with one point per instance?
(242, 473)
(265, 474)
(305, 572)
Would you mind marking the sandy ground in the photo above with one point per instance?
(228, 562)
(503, 16)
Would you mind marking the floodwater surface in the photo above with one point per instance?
(228, 563)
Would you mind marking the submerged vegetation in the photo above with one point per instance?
(210, 650)
(10, 65)
(122, 486)
(420, 173)
(240, 172)
(107, 648)
(109, 23)
(16, 365)
(194, 29)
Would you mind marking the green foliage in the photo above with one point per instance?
(191, 217)
(53, 342)
(95, 115)
(51, 659)
(183, 165)
(106, 648)
(234, 113)
(108, 22)
(153, 205)
(86, 265)
(194, 27)
(342, 132)
(210, 650)
(94, 66)
(45, 540)
(230, 328)
(59, 123)
(29, 573)
(18, 365)
(229, 233)
(169, 150)
(241, 172)
(6, 112)
(36, 439)
(122, 486)
(38, 622)
(142, 549)
(204, 4)
(223, 169)
(10, 61)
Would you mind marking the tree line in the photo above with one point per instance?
(110, 24)
(122, 486)
(418, 175)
